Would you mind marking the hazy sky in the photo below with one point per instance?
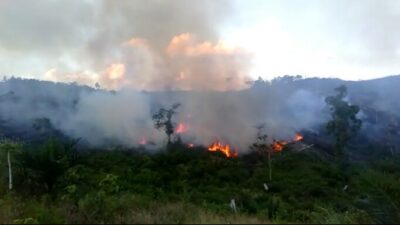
(190, 44)
(350, 39)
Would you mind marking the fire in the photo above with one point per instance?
(298, 137)
(181, 128)
(116, 71)
(190, 145)
(225, 149)
(277, 146)
(142, 141)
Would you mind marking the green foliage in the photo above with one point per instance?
(47, 163)
(328, 215)
(12, 147)
(193, 185)
(344, 124)
(28, 220)
(9, 145)
(261, 146)
(18, 210)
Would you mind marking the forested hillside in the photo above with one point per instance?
(335, 161)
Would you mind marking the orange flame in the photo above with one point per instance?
(181, 128)
(298, 137)
(277, 146)
(225, 149)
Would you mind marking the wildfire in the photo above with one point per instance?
(298, 137)
(225, 149)
(277, 146)
(142, 141)
(181, 128)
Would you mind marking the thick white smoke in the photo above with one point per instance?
(230, 117)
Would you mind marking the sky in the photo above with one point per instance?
(185, 44)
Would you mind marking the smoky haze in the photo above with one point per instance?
(174, 52)
(104, 118)
(107, 118)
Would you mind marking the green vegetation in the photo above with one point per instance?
(261, 146)
(344, 124)
(54, 184)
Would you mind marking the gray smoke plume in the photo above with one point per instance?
(104, 118)
(150, 45)
(124, 117)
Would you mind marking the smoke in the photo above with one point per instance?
(149, 45)
(124, 117)
(81, 39)
(169, 46)
(185, 64)
(120, 118)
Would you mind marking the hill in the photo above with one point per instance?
(107, 176)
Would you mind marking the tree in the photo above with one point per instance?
(261, 145)
(344, 124)
(10, 147)
(163, 120)
(48, 162)
(287, 79)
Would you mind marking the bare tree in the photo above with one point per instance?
(261, 145)
(163, 120)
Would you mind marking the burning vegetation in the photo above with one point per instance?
(216, 146)
(225, 149)
(181, 128)
(278, 146)
(142, 141)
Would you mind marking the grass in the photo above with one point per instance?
(127, 209)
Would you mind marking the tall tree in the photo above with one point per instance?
(163, 120)
(344, 124)
(49, 161)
